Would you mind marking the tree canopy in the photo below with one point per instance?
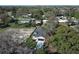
(65, 40)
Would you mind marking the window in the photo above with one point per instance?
(40, 39)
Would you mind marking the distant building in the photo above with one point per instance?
(73, 21)
(23, 20)
(23, 14)
(62, 19)
(38, 21)
(45, 21)
(29, 14)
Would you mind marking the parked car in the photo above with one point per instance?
(40, 42)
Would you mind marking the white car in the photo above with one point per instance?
(40, 42)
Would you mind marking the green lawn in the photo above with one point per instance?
(13, 25)
(2, 30)
(30, 42)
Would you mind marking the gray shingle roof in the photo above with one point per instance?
(39, 32)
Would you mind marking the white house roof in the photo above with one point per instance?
(62, 19)
(44, 21)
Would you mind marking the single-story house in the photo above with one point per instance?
(25, 15)
(24, 20)
(62, 19)
(39, 37)
(29, 14)
(45, 21)
(39, 34)
(37, 21)
(39, 31)
(73, 22)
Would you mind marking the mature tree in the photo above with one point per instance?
(5, 20)
(65, 40)
(37, 13)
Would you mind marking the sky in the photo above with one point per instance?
(39, 2)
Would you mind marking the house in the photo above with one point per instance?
(38, 21)
(23, 20)
(39, 37)
(39, 32)
(62, 19)
(29, 14)
(23, 14)
(73, 21)
(45, 21)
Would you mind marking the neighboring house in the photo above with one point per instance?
(62, 19)
(23, 20)
(37, 21)
(29, 14)
(45, 21)
(23, 14)
(73, 21)
(76, 28)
